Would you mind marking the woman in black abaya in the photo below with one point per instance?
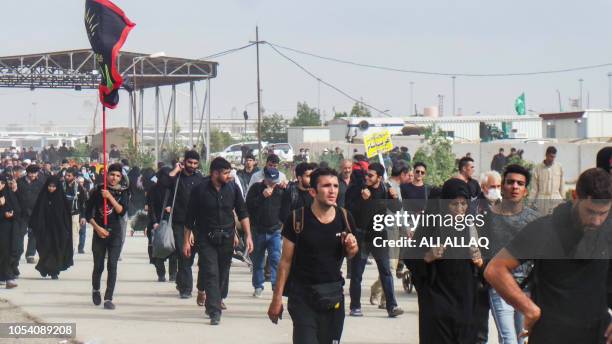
(51, 224)
(447, 277)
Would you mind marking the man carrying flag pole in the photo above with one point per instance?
(107, 29)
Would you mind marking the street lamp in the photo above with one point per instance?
(246, 117)
(580, 81)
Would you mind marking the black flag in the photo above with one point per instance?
(107, 29)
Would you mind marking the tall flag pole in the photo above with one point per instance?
(107, 28)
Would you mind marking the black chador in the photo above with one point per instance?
(51, 224)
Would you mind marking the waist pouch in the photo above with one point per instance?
(218, 237)
(325, 297)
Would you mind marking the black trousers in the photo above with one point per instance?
(481, 316)
(311, 326)
(19, 229)
(159, 263)
(214, 264)
(6, 273)
(184, 279)
(100, 248)
(31, 249)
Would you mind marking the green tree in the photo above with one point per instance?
(137, 157)
(437, 154)
(517, 160)
(274, 129)
(306, 116)
(219, 140)
(359, 110)
(340, 114)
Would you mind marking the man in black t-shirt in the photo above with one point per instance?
(314, 246)
(570, 253)
(415, 194)
(466, 172)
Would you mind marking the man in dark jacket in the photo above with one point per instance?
(247, 172)
(499, 161)
(213, 206)
(264, 204)
(186, 177)
(28, 188)
(296, 195)
(375, 199)
(76, 197)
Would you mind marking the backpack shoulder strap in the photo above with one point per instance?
(298, 220)
(347, 224)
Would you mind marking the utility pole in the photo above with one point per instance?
(454, 108)
(610, 90)
(260, 148)
(560, 106)
(412, 97)
(580, 81)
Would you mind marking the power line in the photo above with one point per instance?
(226, 52)
(327, 83)
(411, 71)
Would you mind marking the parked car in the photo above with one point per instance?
(283, 150)
(233, 153)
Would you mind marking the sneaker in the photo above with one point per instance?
(161, 278)
(215, 319)
(96, 298)
(356, 312)
(185, 295)
(257, 293)
(395, 312)
(10, 284)
(201, 299)
(31, 260)
(108, 304)
(81, 251)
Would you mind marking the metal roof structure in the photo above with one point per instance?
(77, 69)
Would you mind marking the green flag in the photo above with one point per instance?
(519, 104)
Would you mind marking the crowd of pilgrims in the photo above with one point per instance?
(53, 205)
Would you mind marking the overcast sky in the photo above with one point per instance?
(468, 36)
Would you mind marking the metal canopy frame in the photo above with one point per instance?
(77, 69)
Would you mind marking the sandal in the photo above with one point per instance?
(201, 298)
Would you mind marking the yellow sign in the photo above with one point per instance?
(378, 142)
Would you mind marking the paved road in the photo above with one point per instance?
(151, 312)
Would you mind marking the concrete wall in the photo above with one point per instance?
(296, 136)
(598, 124)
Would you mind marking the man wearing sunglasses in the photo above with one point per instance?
(415, 194)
